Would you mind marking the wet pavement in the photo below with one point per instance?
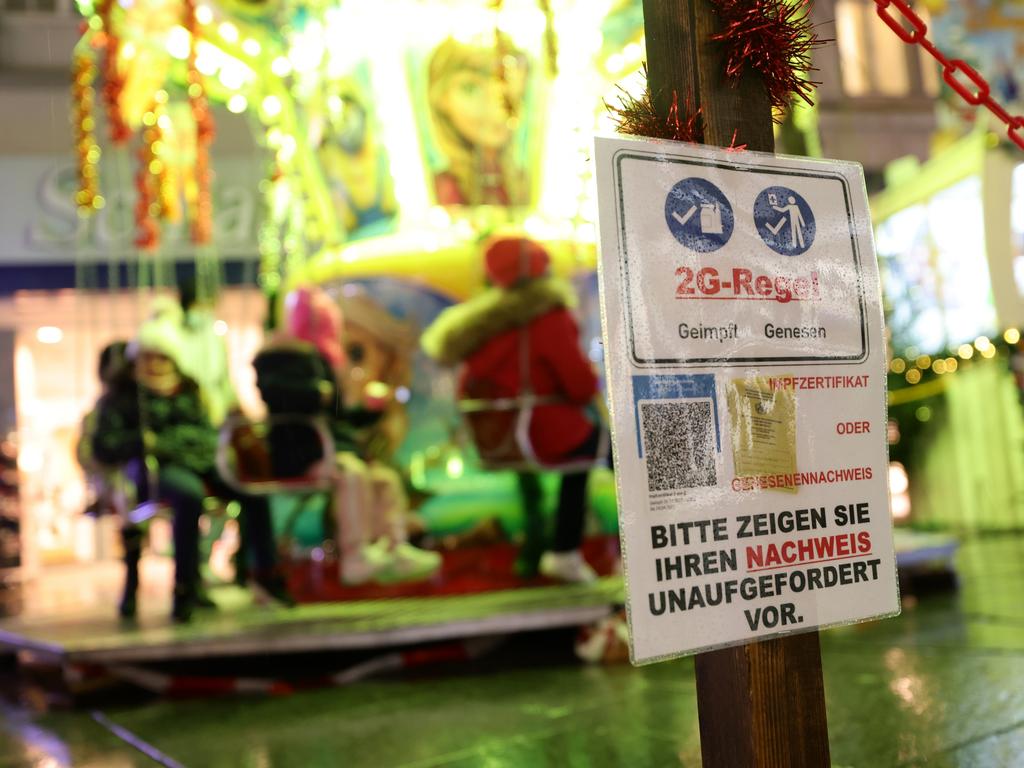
(942, 685)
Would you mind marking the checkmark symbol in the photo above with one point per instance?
(685, 217)
(774, 229)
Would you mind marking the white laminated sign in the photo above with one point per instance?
(746, 369)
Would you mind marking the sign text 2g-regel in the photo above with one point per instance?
(745, 285)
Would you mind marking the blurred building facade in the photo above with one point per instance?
(877, 97)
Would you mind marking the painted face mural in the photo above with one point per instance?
(476, 94)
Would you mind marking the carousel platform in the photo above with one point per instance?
(923, 550)
(254, 630)
(67, 615)
(926, 560)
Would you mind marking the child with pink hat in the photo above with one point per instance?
(297, 373)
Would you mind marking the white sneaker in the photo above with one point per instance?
(365, 564)
(409, 563)
(567, 566)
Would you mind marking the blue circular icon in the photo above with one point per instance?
(699, 215)
(784, 220)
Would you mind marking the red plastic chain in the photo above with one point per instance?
(958, 74)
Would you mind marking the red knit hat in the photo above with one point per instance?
(511, 259)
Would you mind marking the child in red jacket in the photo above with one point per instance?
(518, 339)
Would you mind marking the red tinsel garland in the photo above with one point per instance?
(776, 38)
(639, 117)
(87, 150)
(202, 216)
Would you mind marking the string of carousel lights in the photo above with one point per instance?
(916, 380)
(916, 369)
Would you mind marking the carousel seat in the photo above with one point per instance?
(277, 455)
(112, 492)
(501, 433)
(143, 511)
(147, 510)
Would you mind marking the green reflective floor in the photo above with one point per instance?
(943, 685)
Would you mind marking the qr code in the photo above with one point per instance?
(679, 445)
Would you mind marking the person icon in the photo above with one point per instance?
(796, 213)
(796, 221)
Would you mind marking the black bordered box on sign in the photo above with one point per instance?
(628, 154)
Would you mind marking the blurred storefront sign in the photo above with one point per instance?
(41, 231)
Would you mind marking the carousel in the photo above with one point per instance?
(393, 145)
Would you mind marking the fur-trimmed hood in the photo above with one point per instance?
(462, 329)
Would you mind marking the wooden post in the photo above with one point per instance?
(760, 705)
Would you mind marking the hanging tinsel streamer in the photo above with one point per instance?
(113, 80)
(550, 39)
(164, 188)
(202, 216)
(775, 38)
(147, 185)
(87, 150)
(501, 51)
